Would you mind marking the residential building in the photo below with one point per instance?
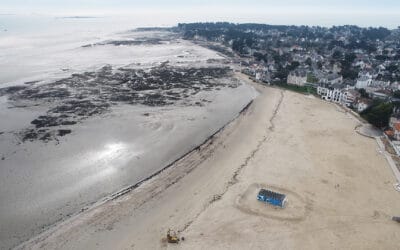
(350, 97)
(396, 130)
(380, 84)
(333, 78)
(297, 77)
(363, 104)
(363, 82)
(379, 95)
(329, 94)
(393, 120)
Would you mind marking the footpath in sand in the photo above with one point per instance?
(339, 186)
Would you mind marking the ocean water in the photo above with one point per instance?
(43, 183)
(37, 47)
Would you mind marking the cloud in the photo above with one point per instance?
(312, 12)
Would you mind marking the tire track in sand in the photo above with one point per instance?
(234, 179)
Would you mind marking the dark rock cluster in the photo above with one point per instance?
(149, 41)
(80, 96)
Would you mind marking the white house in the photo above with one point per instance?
(397, 133)
(346, 97)
(297, 77)
(336, 69)
(333, 95)
(360, 64)
(333, 78)
(395, 86)
(379, 95)
(363, 82)
(349, 97)
(394, 123)
(380, 84)
(259, 76)
(393, 120)
(363, 104)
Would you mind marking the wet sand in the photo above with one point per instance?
(340, 189)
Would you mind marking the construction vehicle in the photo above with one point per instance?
(396, 219)
(172, 237)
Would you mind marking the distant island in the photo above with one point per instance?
(77, 17)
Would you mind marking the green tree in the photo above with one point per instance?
(337, 55)
(378, 114)
(396, 94)
(349, 73)
(281, 73)
(238, 45)
(311, 78)
(294, 65)
(277, 58)
(392, 68)
(350, 57)
(363, 93)
(308, 61)
(258, 56)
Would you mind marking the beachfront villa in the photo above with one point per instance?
(363, 82)
(363, 104)
(297, 77)
(333, 95)
(332, 79)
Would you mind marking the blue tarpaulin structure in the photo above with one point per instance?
(272, 198)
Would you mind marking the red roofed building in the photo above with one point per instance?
(396, 131)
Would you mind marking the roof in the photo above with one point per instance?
(364, 78)
(299, 73)
(389, 132)
(271, 194)
(337, 86)
(333, 76)
(365, 101)
(353, 92)
(397, 126)
(396, 115)
(383, 91)
(349, 82)
(379, 94)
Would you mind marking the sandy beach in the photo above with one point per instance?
(339, 187)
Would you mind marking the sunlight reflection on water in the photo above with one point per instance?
(110, 152)
(96, 167)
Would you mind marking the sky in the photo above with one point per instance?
(310, 12)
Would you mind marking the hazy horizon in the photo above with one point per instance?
(287, 12)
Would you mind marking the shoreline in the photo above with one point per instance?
(208, 139)
(334, 179)
(126, 190)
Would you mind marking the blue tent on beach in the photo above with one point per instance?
(272, 198)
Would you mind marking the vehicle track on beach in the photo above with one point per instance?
(265, 138)
(234, 179)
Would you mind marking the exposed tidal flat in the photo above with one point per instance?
(90, 128)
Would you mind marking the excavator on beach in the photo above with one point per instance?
(396, 219)
(172, 237)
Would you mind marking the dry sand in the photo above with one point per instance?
(339, 186)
